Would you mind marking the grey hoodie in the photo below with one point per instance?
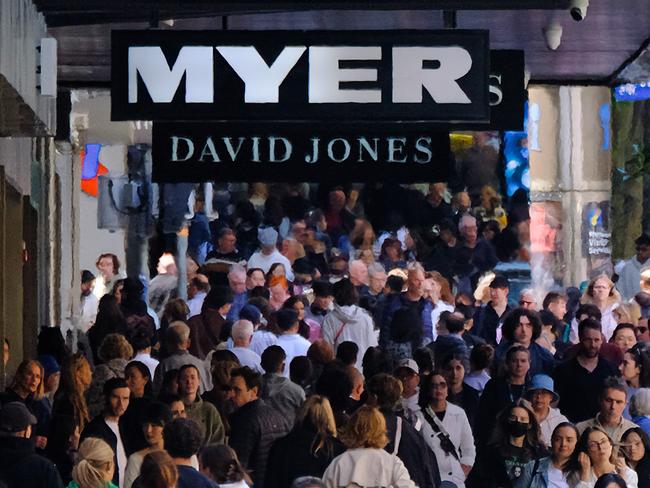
(283, 395)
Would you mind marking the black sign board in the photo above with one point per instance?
(507, 90)
(194, 152)
(380, 76)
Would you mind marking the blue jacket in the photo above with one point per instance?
(534, 476)
(541, 360)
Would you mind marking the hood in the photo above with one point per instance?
(347, 313)
(273, 383)
(13, 449)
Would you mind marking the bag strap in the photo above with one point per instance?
(438, 428)
(398, 435)
(340, 331)
(532, 477)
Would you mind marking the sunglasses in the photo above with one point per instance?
(641, 330)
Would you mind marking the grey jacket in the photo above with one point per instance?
(283, 395)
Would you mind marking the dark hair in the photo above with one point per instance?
(250, 271)
(553, 297)
(301, 371)
(285, 318)
(272, 358)
(511, 322)
(406, 326)
(169, 377)
(590, 310)
(141, 336)
(613, 383)
(116, 262)
(144, 371)
(395, 283)
(532, 443)
(224, 355)
(589, 324)
(258, 292)
(251, 378)
(605, 480)
(573, 465)
(345, 293)
(641, 357)
(157, 413)
(347, 353)
(622, 326)
(199, 284)
(423, 356)
(182, 437)
(642, 240)
(113, 384)
(376, 360)
(481, 356)
(335, 384)
(468, 311)
(386, 391)
(223, 465)
(452, 322)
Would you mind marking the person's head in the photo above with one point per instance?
(76, 377)
(320, 352)
(453, 368)
(376, 278)
(298, 303)
(522, 326)
(286, 320)
(246, 385)
(347, 352)
(588, 311)
(527, 299)
(176, 406)
(189, 381)
(435, 388)
(366, 429)
(636, 445)
(51, 373)
(242, 333)
(610, 480)
(613, 398)
(358, 272)
(408, 373)
(499, 289)
(644, 282)
(563, 441)
(182, 438)
(642, 248)
(170, 383)
(599, 290)
(226, 241)
(624, 337)
(517, 362)
(555, 303)
(268, 238)
(541, 393)
(481, 357)
(394, 284)
(218, 300)
(108, 265)
(94, 465)
(114, 346)
(301, 371)
(154, 418)
(87, 282)
(517, 421)
(596, 444)
(273, 358)
(220, 463)
(590, 334)
(640, 403)
(316, 415)
(307, 482)
(138, 379)
(116, 396)
(357, 380)
(278, 287)
(323, 294)
(177, 336)
(254, 277)
(415, 279)
(197, 284)
(468, 229)
(453, 322)
(391, 248)
(16, 420)
(29, 380)
(237, 279)
(642, 330)
(345, 293)
(384, 391)
(158, 471)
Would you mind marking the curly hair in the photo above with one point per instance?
(115, 346)
(366, 428)
(511, 322)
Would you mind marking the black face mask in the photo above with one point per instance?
(517, 429)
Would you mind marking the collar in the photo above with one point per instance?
(620, 423)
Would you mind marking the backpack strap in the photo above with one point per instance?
(340, 331)
(398, 435)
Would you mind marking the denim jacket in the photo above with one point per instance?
(534, 476)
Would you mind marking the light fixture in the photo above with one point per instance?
(578, 9)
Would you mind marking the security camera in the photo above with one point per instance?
(578, 9)
(553, 35)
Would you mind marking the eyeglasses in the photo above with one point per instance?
(598, 445)
(442, 385)
(601, 287)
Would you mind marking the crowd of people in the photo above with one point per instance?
(312, 352)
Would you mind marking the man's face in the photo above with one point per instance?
(410, 381)
(612, 405)
(87, 288)
(241, 394)
(339, 267)
(118, 402)
(642, 331)
(528, 302)
(455, 372)
(541, 400)
(642, 253)
(469, 232)
(415, 281)
(256, 278)
(105, 267)
(519, 364)
(227, 243)
(523, 332)
(189, 381)
(237, 283)
(498, 295)
(590, 342)
(376, 282)
(558, 309)
(52, 383)
(324, 303)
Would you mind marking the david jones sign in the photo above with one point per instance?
(432, 76)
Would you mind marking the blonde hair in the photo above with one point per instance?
(115, 346)
(94, 461)
(366, 428)
(628, 313)
(22, 370)
(158, 471)
(588, 296)
(317, 413)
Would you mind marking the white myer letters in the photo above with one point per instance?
(325, 75)
(262, 81)
(409, 75)
(162, 83)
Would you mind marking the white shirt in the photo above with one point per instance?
(556, 478)
(88, 311)
(133, 466)
(263, 339)
(148, 361)
(293, 345)
(248, 358)
(121, 453)
(196, 303)
(259, 260)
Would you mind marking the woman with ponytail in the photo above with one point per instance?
(94, 466)
(219, 462)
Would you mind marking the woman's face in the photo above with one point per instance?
(279, 270)
(625, 339)
(634, 447)
(601, 289)
(439, 387)
(563, 443)
(628, 368)
(541, 400)
(153, 433)
(392, 252)
(455, 372)
(31, 379)
(278, 293)
(85, 374)
(117, 293)
(136, 381)
(519, 364)
(599, 447)
(299, 307)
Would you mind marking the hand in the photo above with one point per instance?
(466, 469)
(585, 466)
(74, 439)
(620, 467)
(40, 441)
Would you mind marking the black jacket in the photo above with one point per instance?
(97, 427)
(497, 395)
(253, 429)
(419, 460)
(291, 457)
(20, 466)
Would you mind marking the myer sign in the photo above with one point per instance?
(432, 76)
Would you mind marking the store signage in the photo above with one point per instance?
(507, 90)
(292, 152)
(409, 76)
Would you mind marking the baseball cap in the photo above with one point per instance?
(268, 236)
(15, 417)
(408, 363)
(500, 282)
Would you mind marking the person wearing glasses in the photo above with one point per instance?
(594, 457)
(601, 292)
(630, 275)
